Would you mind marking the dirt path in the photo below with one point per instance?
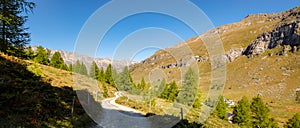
(116, 116)
(110, 103)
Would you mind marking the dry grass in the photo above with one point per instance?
(273, 77)
(60, 78)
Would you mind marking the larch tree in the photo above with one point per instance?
(188, 90)
(108, 75)
(197, 104)
(294, 122)
(94, 70)
(242, 113)
(124, 81)
(142, 84)
(14, 35)
(83, 69)
(173, 91)
(260, 112)
(221, 109)
(57, 61)
(29, 53)
(101, 75)
(42, 55)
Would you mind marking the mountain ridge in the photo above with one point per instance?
(253, 24)
(268, 74)
(72, 57)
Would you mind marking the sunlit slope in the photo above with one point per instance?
(34, 95)
(273, 77)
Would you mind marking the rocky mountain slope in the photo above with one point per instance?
(71, 58)
(287, 35)
(262, 56)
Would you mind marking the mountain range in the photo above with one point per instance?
(72, 57)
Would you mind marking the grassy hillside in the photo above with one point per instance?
(34, 95)
(275, 78)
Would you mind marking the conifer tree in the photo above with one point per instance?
(197, 103)
(57, 61)
(42, 55)
(165, 89)
(189, 87)
(101, 75)
(242, 113)
(142, 85)
(173, 91)
(76, 66)
(64, 67)
(29, 53)
(260, 112)
(105, 90)
(14, 35)
(108, 75)
(70, 67)
(83, 69)
(221, 109)
(294, 122)
(94, 71)
(79, 67)
(123, 80)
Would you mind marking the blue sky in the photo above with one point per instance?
(55, 24)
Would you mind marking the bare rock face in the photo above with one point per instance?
(286, 34)
(232, 54)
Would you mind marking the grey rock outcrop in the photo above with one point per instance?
(285, 34)
(232, 54)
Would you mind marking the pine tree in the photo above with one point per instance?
(242, 113)
(173, 91)
(70, 67)
(105, 90)
(57, 61)
(221, 109)
(29, 53)
(189, 87)
(64, 67)
(94, 71)
(161, 87)
(197, 104)
(101, 75)
(165, 89)
(123, 80)
(14, 35)
(79, 67)
(76, 66)
(42, 56)
(114, 75)
(143, 84)
(260, 112)
(108, 75)
(294, 122)
(83, 69)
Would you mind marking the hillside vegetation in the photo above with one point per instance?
(34, 95)
(271, 75)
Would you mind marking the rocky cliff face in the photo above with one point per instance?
(287, 34)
